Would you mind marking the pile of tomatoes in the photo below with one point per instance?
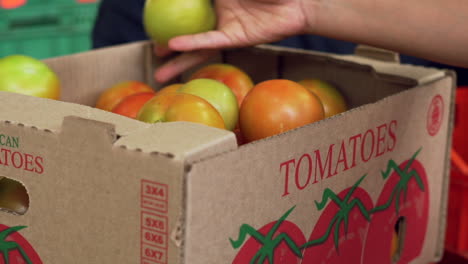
(217, 95)
(265, 109)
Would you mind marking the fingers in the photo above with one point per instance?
(182, 63)
(208, 40)
(161, 51)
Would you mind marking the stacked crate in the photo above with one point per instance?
(46, 28)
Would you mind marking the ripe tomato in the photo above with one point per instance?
(276, 106)
(174, 106)
(236, 79)
(131, 104)
(115, 94)
(170, 88)
(332, 100)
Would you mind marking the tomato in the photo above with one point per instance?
(236, 79)
(332, 100)
(171, 107)
(115, 94)
(26, 75)
(131, 104)
(218, 95)
(323, 248)
(411, 218)
(11, 4)
(276, 106)
(170, 88)
(15, 249)
(280, 243)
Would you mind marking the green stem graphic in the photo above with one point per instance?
(402, 185)
(345, 208)
(7, 246)
(342, 216)
(268, 243)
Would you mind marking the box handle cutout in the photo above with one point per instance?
(14, 198)
(398, 239)
(377, 53)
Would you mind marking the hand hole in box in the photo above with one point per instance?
(14, 198)
(397, 239)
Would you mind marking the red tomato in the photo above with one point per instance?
(115, 94)
(17, 248)
(130, 105)
(276, 106)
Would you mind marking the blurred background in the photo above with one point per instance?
(50, 28)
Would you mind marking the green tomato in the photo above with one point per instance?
(29, 76)
(165, 19)
(217, 94)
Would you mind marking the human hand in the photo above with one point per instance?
(240, 23)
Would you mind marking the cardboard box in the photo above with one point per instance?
(365, 186)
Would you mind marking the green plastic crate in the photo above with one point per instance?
(48, 29)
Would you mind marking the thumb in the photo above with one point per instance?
(207, 40)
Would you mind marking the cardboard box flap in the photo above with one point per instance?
(85, 76)
(376, 53)
(49, 114)
(182, 140)
(383, 68)
(391, 69)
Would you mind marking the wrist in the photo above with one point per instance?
(312, 11)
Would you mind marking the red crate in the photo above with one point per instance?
(460, 140)
(457, 227)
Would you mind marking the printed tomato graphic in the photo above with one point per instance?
(14, 248)
(338, 236)
(276, 243)
(399, 221)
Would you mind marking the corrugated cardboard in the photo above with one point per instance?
(107, 189)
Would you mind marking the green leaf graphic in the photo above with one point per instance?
(342, 216)
(402, 185)
(269, 244)
(345, 208)
(7, 246)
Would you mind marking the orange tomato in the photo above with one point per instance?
(115, 94)
(170, 88)
(236, 79)
(131, 104)
(276, 106)
(332, 100)
(169, 107)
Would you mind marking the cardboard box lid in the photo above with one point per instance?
(385, 64)
(181, 140)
